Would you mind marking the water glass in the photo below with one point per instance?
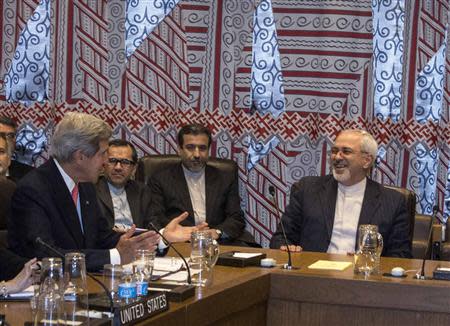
(75, 290)
(112, 275)
(370, 246)
(204, 255)
(143, 263)
(50, 308)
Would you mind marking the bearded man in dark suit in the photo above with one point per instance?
(324, 213)
(209, 195)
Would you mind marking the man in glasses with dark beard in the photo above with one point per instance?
(324, 213)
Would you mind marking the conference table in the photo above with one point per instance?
(304, 296)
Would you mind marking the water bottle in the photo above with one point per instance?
(127, 287)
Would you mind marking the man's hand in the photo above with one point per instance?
(128, 244)
(174, 232)
(293, 248)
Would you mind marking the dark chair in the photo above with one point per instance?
(421, 233)
(410, 207)
(150, 164)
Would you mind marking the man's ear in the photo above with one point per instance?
(78, 156)
(367, 161)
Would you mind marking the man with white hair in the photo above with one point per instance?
(57, 202)
(324, 212)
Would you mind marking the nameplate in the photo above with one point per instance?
(144, 308)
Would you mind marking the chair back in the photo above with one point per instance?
(420, 242)
(151, 164)
(410, 197)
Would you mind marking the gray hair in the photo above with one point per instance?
(368, 144)
(78, 131)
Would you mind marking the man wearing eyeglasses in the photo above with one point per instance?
(123, 200)
(16, 170)
(324, 213)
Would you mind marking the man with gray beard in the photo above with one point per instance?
(324, 213)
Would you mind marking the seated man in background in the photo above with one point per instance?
(7, 187)
(209, 195)
(123, 201)
(16, 170)
(324, 213)
(57, 202)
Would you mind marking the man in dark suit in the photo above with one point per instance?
(209, 196)
(16, 170)
(123, 201)
(324, 212)
(57, 201)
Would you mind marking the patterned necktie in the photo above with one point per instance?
(75, 194)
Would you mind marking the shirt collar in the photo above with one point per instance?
(193, 175)
(359, 187)
(115, 190)
(67, 179)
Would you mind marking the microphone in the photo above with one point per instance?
(274, 201)
(421, 275)
(59, 254)
(154, 228)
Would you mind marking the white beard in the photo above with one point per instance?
(343, 177)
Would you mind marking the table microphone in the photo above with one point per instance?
(275, 204)
(59, 254)
(151, 226)
(421, 275)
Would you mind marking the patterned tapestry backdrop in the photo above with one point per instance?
(274, 80)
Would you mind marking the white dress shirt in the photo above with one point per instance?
(114, 255)
(346, 217)
(121, 207)
(196, 186)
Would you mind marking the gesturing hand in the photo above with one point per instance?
(128, 244)
(174, 232)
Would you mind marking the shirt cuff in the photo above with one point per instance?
(162, 244)
(114, 256)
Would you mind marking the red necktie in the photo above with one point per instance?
(75, 194)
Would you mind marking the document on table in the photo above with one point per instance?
(27, 293)
(330, 265)
(246, 254)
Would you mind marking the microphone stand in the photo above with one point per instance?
(274, 201)
(421, 275)
(154, 228)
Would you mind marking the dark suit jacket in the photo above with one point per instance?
(309, 217)
(10, 264)
(42, 207)
(170, 198)
(138, 196)
(7, 188)
(18, 170)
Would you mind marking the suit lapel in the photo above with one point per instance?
(184, 192)
(210, 194)
(104, 195)
(328, 197)
(371, 203)
(65, 205)
(133, 202)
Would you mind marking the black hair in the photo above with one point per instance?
(193, 129)
(122, 143)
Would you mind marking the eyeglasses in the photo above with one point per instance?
(192, 147)
(346, 151)
(9, 135)
(124, 162)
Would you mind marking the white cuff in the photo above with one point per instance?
(114, 256)
(162, 245)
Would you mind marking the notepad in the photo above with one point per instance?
(330, 265)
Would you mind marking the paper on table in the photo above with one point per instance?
(330, 265)
(27, 293)
(168, 264)
(246, 254)
(180, 276)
